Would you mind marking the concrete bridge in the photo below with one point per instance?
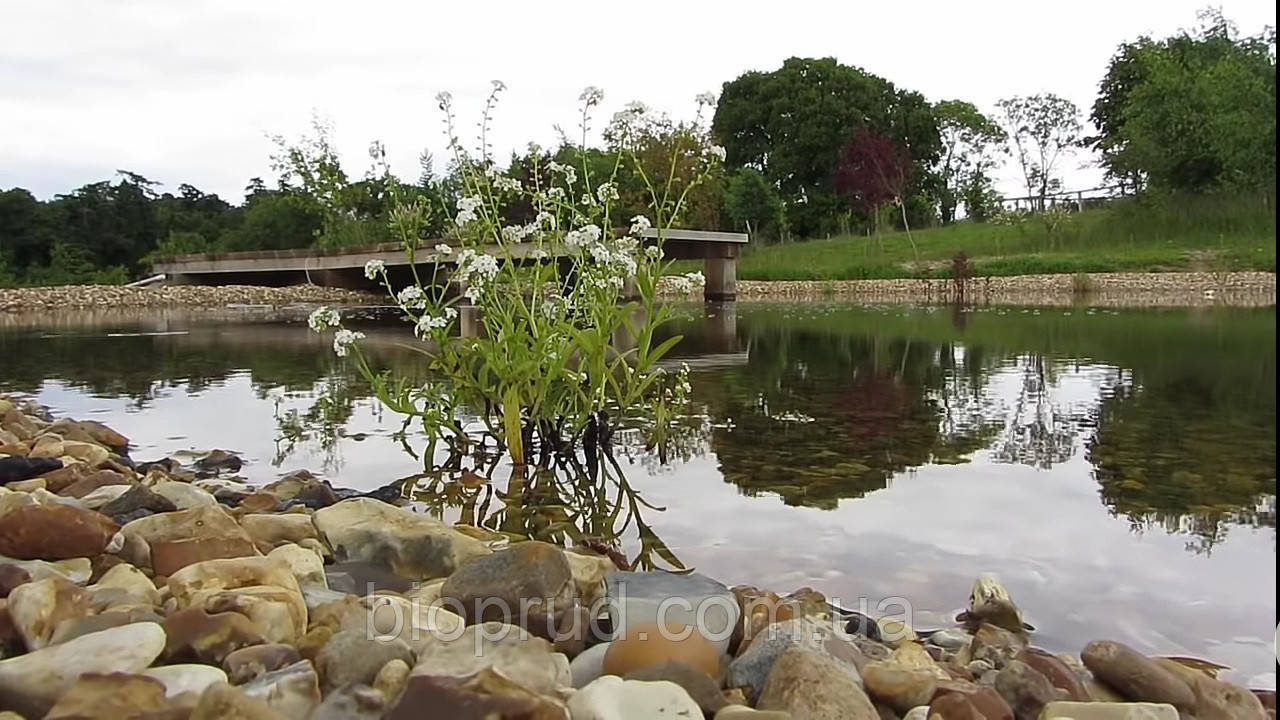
(344, 267)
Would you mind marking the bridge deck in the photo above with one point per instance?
(338, 266)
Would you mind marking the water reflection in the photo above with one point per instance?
(1174, 411)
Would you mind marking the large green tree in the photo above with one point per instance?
(1194, 111)
(791, 124)
(971, 147)
(1042, 129)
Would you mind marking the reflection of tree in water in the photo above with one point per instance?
(1038, 430)
(1177, 457)
(822, 416)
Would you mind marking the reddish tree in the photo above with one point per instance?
(873, 171)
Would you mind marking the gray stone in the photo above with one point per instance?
(526, 659)
(814, 686)
(292, 691)
(351, 657)
(1025, 689)
(634, 598)
(528, 584)
(412, 546)
(751, 669)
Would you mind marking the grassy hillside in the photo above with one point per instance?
(1215, 233)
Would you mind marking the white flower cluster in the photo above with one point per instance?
(639, 224)
(582, 238)
(428, 322)
(412, 298)
(555, 194)
(606, 193)
(344, 340)
(570, 175)
(374, 268)
(716, 152)
(616, 261)
(706, 98)
(686, 283)
(323, 318)
(591, 95)
(467, 207)
(653, 252)
(475, 270)
(503, 183)
(443, 249)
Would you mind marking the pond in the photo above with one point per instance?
(1116, 468)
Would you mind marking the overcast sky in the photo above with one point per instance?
(186, 91)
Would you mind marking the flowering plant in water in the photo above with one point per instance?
(563, 292)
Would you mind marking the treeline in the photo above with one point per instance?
(813, 148)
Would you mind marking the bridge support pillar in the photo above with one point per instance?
(722, 278)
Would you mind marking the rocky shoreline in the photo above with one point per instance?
(1197, 289)
(170, 590)
(17, 300)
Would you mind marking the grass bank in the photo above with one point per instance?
(1207, 233)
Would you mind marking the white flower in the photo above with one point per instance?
(545, 219)
(344, 340)
(467, 209)
(444, 99)
(607, 192)
(502, 183)
(582, 237)
(555, 193)
(374, 268)
(686, 283)
(428, 322)
(653, 252)
(534, 148)
(591, 95)
(570, 175)
(586, 199)
(498, 85)
(639, 224)
(443, 249)
(716, 152)
(412, 297)
(324, 318)
(706, 98)
(538, 254)
(600, 253)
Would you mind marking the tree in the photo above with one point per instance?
(752, 202)
(1041, 129)
(874, 172)
(971, 144)
(791, 123)
(1195, 111)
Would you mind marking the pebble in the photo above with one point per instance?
(811, 685)
(612, 698)
(34, 681)
(1135, 676)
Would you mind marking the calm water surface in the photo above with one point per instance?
(1115, 468)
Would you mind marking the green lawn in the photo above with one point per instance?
(1212, 233)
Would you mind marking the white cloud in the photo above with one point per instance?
(186, 92)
